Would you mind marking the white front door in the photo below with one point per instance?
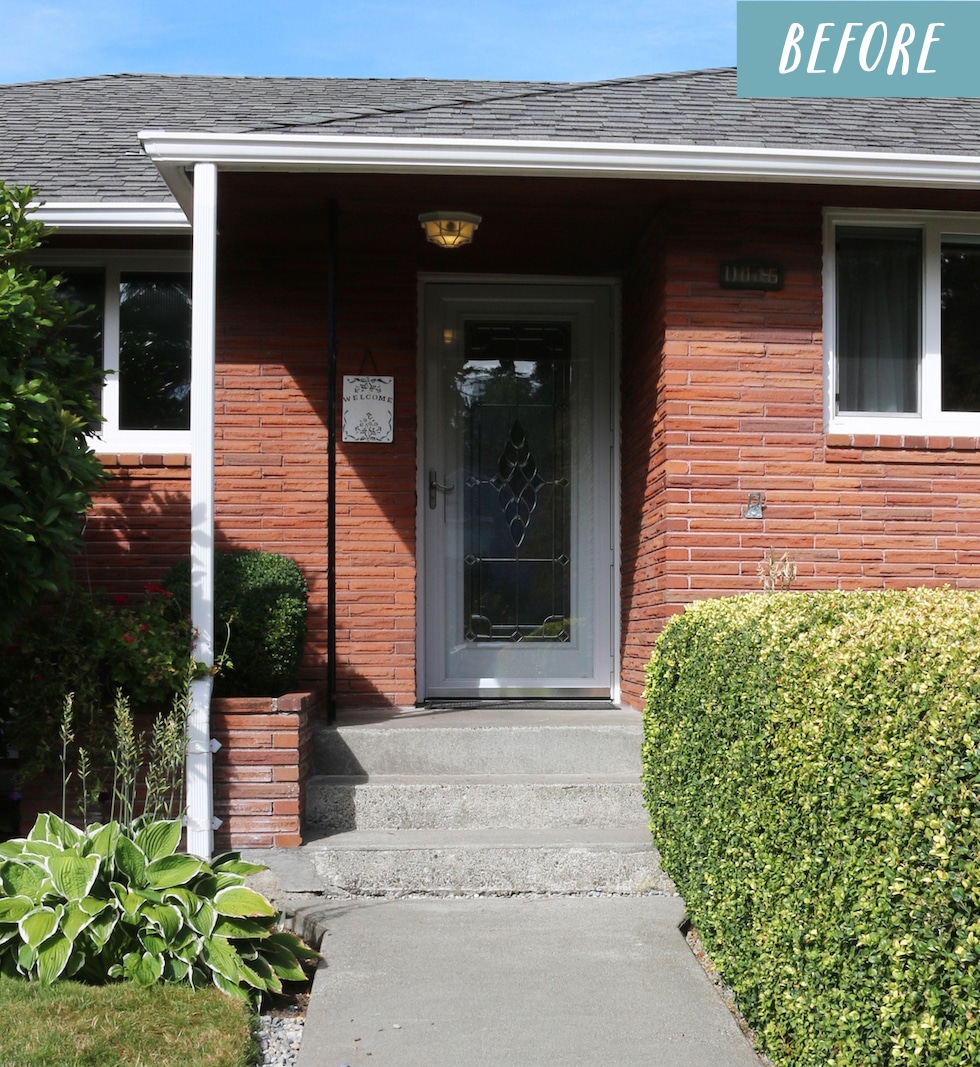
(517, 476)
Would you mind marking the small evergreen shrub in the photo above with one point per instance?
(260, 607)
(812, 774)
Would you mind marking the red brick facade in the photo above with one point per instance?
(722, 396)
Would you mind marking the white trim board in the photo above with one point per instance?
(106, 217)
(175, 151)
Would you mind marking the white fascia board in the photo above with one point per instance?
(113, 217)
(173, 152)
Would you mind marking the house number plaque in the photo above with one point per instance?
(750, 274)
(369, 408)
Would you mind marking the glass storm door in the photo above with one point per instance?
(516, 488)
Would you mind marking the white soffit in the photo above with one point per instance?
(109, 217)
(175, 152)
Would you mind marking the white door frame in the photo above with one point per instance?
(613, 286)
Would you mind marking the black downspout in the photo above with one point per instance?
(332, 461)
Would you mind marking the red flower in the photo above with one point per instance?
(143, 627)
(154, 588)
(128, 638)
(120, 598)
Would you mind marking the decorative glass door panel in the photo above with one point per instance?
(516, 596)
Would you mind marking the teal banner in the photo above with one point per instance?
(870, 48)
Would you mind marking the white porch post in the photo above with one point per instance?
(200, 797)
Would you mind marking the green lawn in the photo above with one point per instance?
(123, 1025)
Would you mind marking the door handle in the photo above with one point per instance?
(435, 487)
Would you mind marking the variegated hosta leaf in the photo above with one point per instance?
(234, 927)
(175, 969)
(26, 958)
(76, 919)
(170, 871)
(233, 989)
(220, 956)
(13, 909)
(152, 942)
(49, 828)
(100, 929)
(74, 876)
(232, 863)
(129, 901)
(101, 841)
(204, 919)
(187, 901)
(242, 901)
(251, 976)
(226, 880)
(18, 879)
(159, 839)
(291, 943)
(144, 969)
(39, 924)
(130, 861)
(283, 962)
(166, 917)
(10, 850)
(52, 958)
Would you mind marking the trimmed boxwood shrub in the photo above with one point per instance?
(264, 596)
(812, 774)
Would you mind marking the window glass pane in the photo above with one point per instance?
(154, 351)
(87, 288)
(961, 326)
(879, 287)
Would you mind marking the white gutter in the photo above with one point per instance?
(113, 217)
(174, 153)
(200, 794)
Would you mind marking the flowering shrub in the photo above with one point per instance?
(90, 644)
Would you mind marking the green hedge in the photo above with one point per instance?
(812, 774)
(264, 596)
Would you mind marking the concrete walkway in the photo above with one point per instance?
(514, 982)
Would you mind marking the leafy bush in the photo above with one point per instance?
(94, 645)
(261, 597)
(118, 902)
(812, 774)
(48, 399)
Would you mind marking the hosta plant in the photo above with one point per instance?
(118, 901)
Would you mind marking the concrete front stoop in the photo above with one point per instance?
(491, 799)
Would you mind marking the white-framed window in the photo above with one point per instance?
(902, 322)
(139, 329)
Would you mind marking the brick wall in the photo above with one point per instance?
(738, 378)
(260, 771)
(139, 524)
(722, 397)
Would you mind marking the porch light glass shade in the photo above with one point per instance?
(449, 229)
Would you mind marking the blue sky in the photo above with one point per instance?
(566, 40)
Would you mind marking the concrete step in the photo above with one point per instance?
(575, 860)
(461, 802)
(481, 741)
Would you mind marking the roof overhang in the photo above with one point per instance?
(176, 153)
(108, 217)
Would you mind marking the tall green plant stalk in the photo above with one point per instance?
(128, 760)
(165, 766)
(67, 736)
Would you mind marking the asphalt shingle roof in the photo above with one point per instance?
(76, 139)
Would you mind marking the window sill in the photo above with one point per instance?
(902, 442)
(143, 459)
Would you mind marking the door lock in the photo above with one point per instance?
(435, 487)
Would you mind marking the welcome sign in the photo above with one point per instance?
(886, 48)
